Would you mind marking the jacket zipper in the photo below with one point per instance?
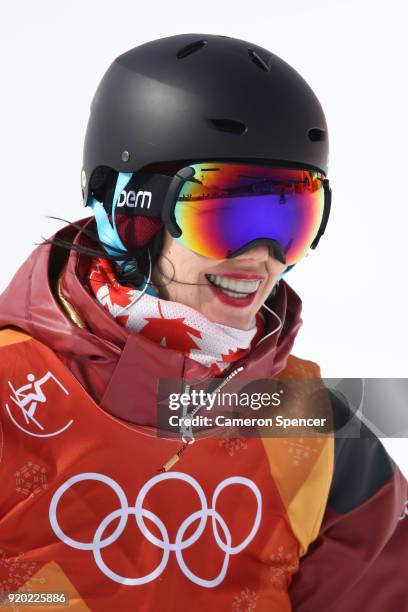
(187, 436)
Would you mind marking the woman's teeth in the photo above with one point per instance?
(234, 287)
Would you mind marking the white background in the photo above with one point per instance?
(354, 55)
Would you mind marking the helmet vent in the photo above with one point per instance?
(229, 125)
(191, 48)
(316, 134)
(258, 61)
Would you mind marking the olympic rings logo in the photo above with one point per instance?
(179, 545)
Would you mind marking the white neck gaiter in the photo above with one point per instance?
(171, 324)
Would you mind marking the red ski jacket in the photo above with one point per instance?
(319, 527)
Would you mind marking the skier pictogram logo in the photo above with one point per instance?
(27, 399)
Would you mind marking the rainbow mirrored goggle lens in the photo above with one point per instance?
(223, 207)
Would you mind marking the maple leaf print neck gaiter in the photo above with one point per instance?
(172, 324)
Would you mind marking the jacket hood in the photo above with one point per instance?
(119, 368)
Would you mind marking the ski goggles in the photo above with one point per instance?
(222, 209)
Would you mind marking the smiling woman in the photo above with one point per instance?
(227, 291)
(204, 196)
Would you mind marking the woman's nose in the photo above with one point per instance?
(258, 253)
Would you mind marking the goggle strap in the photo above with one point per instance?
(144, 195)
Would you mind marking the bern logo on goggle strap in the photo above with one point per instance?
(135, 199)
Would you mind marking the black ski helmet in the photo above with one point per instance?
(201, 97)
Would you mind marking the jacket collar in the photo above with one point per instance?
(146, 362)
(118, 367)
